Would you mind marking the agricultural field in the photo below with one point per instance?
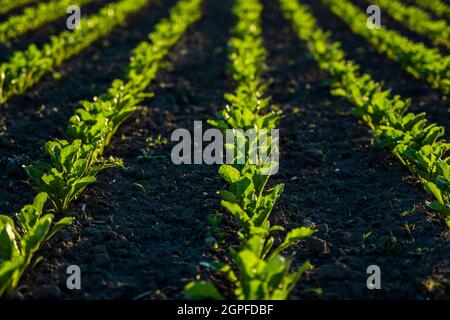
(119, 180)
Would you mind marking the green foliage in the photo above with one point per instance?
(19, 241)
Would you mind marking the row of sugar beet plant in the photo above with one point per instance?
(421, 61)
(417, 143)
(257, 270)
(75, 161)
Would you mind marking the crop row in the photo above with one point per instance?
(417, 20)
(439, 7)
(410, 137)
(74, 163)
(256, 269)
(34, 17)
(25, 68)
(420, 61)
(8, 5)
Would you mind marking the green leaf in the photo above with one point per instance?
(339, 92)
(276, 228)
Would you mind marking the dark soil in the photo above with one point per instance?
(142, 231)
